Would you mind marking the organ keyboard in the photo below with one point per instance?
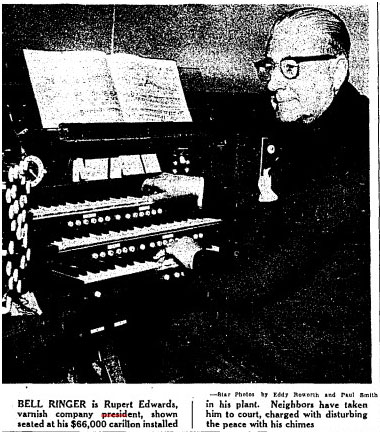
(69, 209)
(94, 228)
(138, 234)
(116, 269)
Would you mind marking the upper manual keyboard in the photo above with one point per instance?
(68, 209)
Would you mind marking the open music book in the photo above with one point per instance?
(94, 87)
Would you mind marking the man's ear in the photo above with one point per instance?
(340, 72)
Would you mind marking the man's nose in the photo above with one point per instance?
(277, 80)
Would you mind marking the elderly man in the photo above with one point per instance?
(306, 64)
(295, 305)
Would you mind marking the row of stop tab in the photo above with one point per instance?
(93, 218)
(140, 247)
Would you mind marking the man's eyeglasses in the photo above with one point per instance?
(289, 66)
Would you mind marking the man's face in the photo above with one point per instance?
(308, 95)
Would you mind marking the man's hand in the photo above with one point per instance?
(176, 185)
(183, 249)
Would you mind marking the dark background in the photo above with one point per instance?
(221, 40)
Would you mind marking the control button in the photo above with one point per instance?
(100, 219)
(200, 235)
(177, 274)
(14, 191)
(152, 244)
(8, 197)
(93, 220)
(78, 222)
(125, 249)
(174, 171)
(107, 218)
(102, 254)
(147, 213)
(15, 275)
(11, 247)
(142, 247)
(159, 243)
(117, 217)
(127, 215)
(23, 262)
(118, 251)
(166, 277)
(141, 214)
(19, 233)
(195, 236)
(95, 255)
(111, 253)
(159, 211)
(97, 294)
(154, 211)
(132, 248)
(165, 242)
(135, 215)
(9, 268)
(187, 170)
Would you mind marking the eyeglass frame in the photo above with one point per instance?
(296, 59)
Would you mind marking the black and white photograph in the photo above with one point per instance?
(186, 194)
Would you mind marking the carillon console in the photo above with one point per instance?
(93, 229)
(92, 219)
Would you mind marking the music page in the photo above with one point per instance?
(72, 87)
(149, 90)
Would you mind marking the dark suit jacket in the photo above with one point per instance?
(302, 263)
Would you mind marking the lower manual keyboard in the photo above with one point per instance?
(92, 240)
(89, 277)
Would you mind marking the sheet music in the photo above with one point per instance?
(92, 87)
(148, 89)
(126, 165)
(72, 87)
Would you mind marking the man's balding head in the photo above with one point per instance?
(333, 35)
